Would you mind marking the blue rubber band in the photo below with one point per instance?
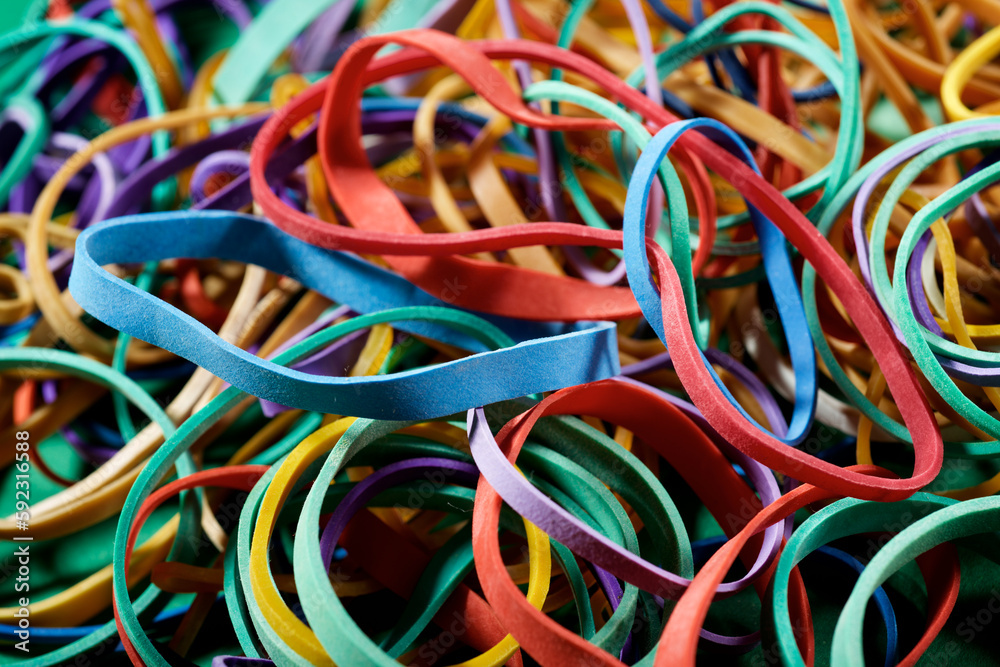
(539, 365)
(777, 267)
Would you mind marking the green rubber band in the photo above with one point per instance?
(610, 519)
(953, 449)
(236, 602)
(581, 200)
(18, 12)
(36, 135)
(186, 435)
(623, 473)
(334, 628)
(446, 570)
(972, 517)
(92, 371)
(590, 501)
(277, 649)
(325, 612)
(843, 73)
(261, 43)
(680, 227)
(917, 343)
(840, 519)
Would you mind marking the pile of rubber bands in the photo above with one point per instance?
(499, 332)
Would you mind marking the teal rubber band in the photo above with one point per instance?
(323, 609)
(972, 517)
(840, 519)
(326, 615)
(186, 435)
(36, 135)
(271, 32)
(709, 36)
(18, 12)
(676, 201)
(236, 602)
(594, 501)
(95, 30)
(608, 516)
(446, 570)
(570, 180)
(912, 331)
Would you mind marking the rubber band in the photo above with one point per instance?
(650, 579)
(185, 439)
(969, 518)
(449, 211)
(776, 262)
(861, 519)
(346, 394)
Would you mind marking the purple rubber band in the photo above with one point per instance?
(137, 188)
(915, 281)
(232, 162)
(385, 478)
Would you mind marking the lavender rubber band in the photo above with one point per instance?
(978, 375)
(564, 527)
(310, 50)
(104, 170)
(876, 177)
(586, 542)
